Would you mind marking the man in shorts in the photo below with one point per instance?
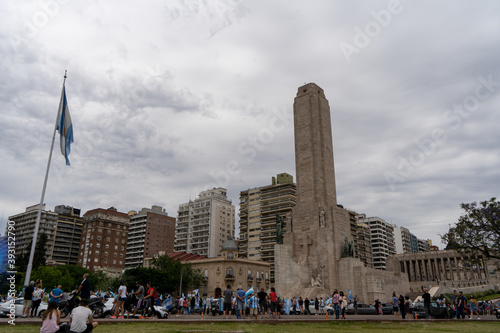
(228, 298)
(254, 306)
(240, 302)
(140, 299)
(28, 299)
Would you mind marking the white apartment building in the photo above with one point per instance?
(203, 225)
(382, 239)
(402, 240)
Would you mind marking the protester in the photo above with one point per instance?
(254, 305)
(81, 320)
(84, 288)
(51, 320)
(262, 295)
(274, 302)
(28, 299)
(228, 296)
(473, 307)
(37, 299)
(120, 302)
(56, 294)
(395, 305)
(140, 299)
(427, 301)
(461, 305)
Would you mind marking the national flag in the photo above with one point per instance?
(64, 126)
(350, 294)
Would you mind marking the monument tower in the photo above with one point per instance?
(313, 252)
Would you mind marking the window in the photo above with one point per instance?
(96, 260)
(99, 238)
(98, 245)
(97, 252)
(114, 262)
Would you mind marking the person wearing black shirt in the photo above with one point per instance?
(28, 299)
(262, 295)
(306, 306)
(427, 301)
(84, 287)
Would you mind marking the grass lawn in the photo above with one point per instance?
(451, 326)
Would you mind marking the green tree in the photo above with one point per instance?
(39, 256)
(477, 230)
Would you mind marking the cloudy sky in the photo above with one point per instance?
(169, 98)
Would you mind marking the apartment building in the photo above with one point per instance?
(64, 247)
(382, 239)
(151, 232)
(402, 240)
(104, 240)
(204, 224)
(259, 208)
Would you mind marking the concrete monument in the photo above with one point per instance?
(313, 246)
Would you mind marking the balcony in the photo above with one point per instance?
(229, 277)
(249, 278)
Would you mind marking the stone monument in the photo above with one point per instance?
(313, 245)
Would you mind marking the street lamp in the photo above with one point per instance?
(323, 280)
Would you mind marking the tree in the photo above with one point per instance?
(477, 230)
(39, 256)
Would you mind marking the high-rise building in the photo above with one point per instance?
(24, 224)
(64, 247)
(382, 239)
(402, 240)
(203, 225)
(63, 228)
(424, 245)
(104, 240)
(361, 239)
(151, 231)
(259, 208)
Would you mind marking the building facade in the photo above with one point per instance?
(258, 210)
(24, 224)
(104, 240)
(203, 225)
(382, 239)
(150, 232)
(64, 247)
(402, 240)
(229, 269)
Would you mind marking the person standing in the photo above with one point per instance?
(228, 299)
(254, 306)
(140, 299)
(56, 294)
(473, 307)
(240, 301)
(427, 301)
(294, 305)
(343, 304)
(274, 302)
(28, 299)
(401, 301)
(37, 299)
(81, 320)
(149, 300)
(335, 302)
(84, 287)
(301, 305)
(454, 302)
(461, 305)
(122, 297)
(316, 306)
(306, 306)
(262, 295)
(395, 305)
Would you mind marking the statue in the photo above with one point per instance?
(348, 250)
(279, 229)
(321, 218)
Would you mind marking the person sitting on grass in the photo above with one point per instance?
(51, 320)
(81, 318)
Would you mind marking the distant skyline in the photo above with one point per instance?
(171, 98)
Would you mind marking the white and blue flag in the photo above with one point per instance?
(64, 126)
(350, 294)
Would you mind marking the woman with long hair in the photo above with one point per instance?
(120, 301)
(37, 298)
(51, 320)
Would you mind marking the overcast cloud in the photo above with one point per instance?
(169, 98)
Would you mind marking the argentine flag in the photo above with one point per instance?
(64, 126)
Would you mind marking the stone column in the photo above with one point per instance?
(443, 267)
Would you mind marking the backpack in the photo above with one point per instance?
(155, 294)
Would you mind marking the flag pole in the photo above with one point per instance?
(38, 218)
